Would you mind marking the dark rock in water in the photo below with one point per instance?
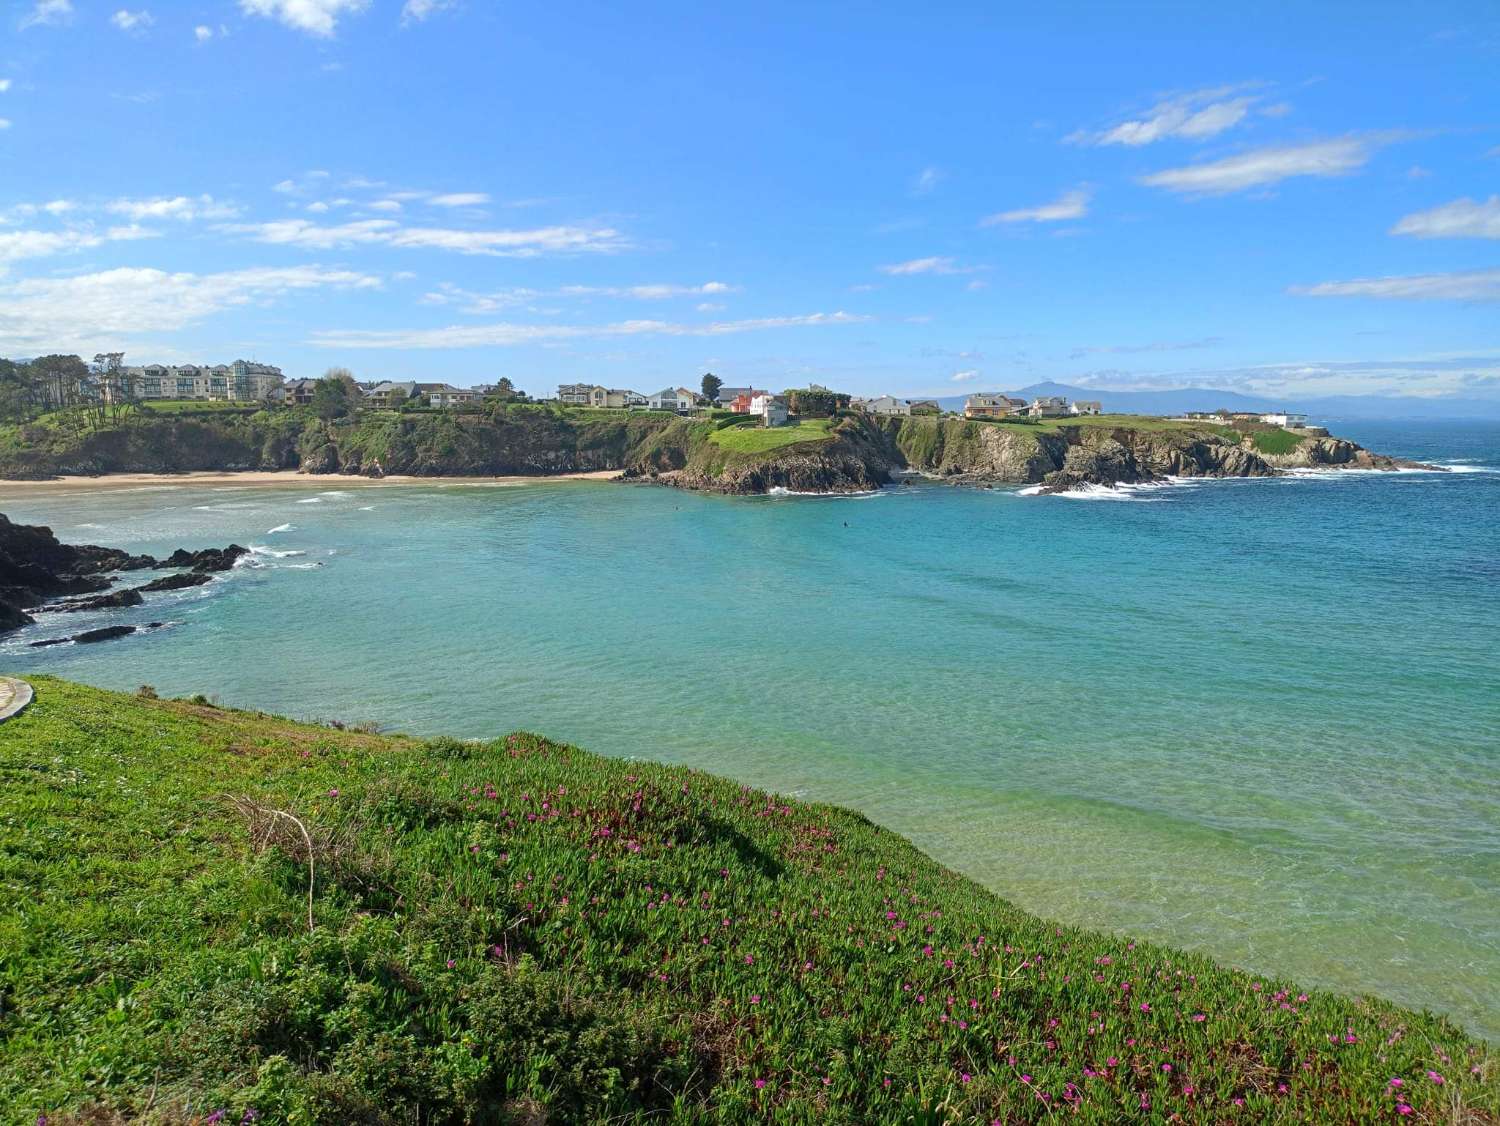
(108, 633)
(36, 567)
(13, 617)
(208, 560)
(176, 582)
(112, 601)
(50, 641)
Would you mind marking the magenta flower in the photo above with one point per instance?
(760, 1084)
(755, 998)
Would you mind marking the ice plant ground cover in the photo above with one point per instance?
(522, 931)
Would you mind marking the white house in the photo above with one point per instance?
(1048, 406)
(1086, 406)
(884, 405)
(678, 399)
(1285, 418)
(770, 407)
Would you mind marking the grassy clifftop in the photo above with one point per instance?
(521, 931)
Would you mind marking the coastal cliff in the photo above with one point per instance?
(846, 453)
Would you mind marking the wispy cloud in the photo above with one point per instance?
(180, 207)
(4, 85)
(460, 199)
(1463, 218)
(1262, 167)
(933, 265)
(389, 232)
(415, 11)
(965, 376)
(926, 180)
(1466, 285)
(101, 307)
(1070, 205)
(203, 33)
(16, 245)
(510, 335)
(316, 17)
(468, 301)
(1194, 116)
(132, 21)
(45, 12)
(1155, 346)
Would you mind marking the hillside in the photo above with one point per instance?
(205, 910)
(849, 453)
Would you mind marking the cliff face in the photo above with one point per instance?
(856, 453)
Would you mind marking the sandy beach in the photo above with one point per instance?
(280, 478)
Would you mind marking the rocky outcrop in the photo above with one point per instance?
(176, 582)
(1326, 453)
(36, 569)
(114, 600)
(208, 560)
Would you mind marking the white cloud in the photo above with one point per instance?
(4, 85)
(1069, 205)
(132, 21)
(203, 33)
(1260, 167)
(502, 243)
(1463, 218)
(316, 17)
(964, 376)
(16, 245)
(317, 207)
(1194, 116)
(101, 307)
(388, 205)
(461, 199)
(710, 307)
(58, 206)
(928, 179)
(48, 12)
(934, 265)
(174, 207)
(479, 303)
(415, 11)
(507, 335)
(4, 123)
(1466, 285)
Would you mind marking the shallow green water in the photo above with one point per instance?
(1256, 718)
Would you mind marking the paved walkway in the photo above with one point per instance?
(14, 696)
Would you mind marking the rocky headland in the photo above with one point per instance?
(40, 573)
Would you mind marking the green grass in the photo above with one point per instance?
(521, 931)
(759, 440)
(1275, 441)
(199, 406)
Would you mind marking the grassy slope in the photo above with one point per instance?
(759, 440)
(519, 926)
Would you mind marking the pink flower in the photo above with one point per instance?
(760, 1084)
(965, 1076)
(333, 793)
(1435, 1077)
(451, 963)
(1199, 1018)
(1145, 1008)
(755, 998)
(1167, 1068)
(1402, 1108)
(1394, 1083)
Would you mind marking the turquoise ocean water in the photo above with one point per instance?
(1256, 718)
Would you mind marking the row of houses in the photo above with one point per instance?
(390, 393)
(678, 399)
(892, 407)
(1287, 419)
(1044, 406)
(241, 381)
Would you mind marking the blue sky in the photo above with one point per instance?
(1287, 199)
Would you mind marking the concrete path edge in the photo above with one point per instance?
(15, 695)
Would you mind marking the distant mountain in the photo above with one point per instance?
(1181, 399)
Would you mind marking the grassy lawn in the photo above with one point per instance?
(521, 931)
(759, 440)
(1275, 441)
(199, 406)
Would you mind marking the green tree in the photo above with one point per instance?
(330, 398)
(711, 385)
(16, 399)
